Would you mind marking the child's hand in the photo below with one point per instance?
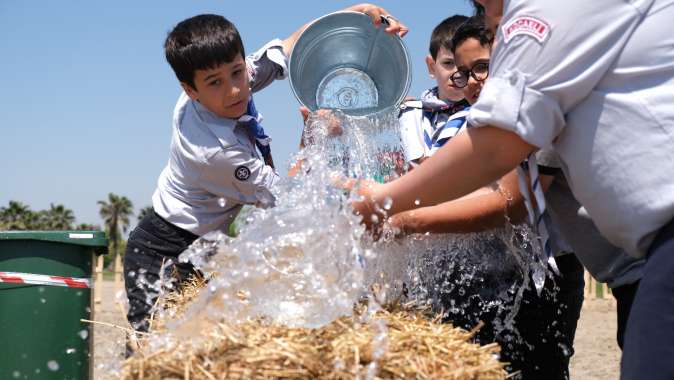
(323, 118)
(407, 222)
(304, 111)
(373, 214)
(377, 13)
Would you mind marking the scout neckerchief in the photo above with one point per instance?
(538, 212)
(252, 119)
(443, 123)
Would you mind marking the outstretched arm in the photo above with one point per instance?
(375, 12)
(467, 162)
(474, 214)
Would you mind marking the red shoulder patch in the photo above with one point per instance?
(527, 25)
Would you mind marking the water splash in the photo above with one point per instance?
(302, 262)
(307, 261)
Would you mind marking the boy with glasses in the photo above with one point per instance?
(424, 123)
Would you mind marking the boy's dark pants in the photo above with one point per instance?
(624, 296)
(549, 322)
(649, 338)
(150, 244)
(546, 324)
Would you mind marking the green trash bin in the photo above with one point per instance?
(45, 289)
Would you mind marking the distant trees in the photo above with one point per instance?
(57, 218)
(18, 216)
(87, 227)
(115, 213)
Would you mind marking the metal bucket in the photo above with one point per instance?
(343, 61)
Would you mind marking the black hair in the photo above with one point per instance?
(201, 42)
(476, 28)
(442, 34)
(479, 9)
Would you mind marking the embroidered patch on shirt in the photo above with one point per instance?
(526, 25)
(242, 173)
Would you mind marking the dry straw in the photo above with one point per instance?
(415, 348)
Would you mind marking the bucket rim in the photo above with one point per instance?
(398, 39)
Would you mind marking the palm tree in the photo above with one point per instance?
(57, 218)
(115, 213)
(18, 216)
(147, 210)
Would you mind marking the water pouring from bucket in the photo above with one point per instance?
(342, 61)
(302, 262)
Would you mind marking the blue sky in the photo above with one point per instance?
(87, 96)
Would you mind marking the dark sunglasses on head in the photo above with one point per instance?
(479, 72)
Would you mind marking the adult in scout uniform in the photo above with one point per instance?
(594, 81)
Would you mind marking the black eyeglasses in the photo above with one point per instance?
(479, 72)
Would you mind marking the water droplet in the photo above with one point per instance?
(53, 365)
(16, 374)
(43, 300)
(84, 334)
(374, 218)
(388, 203)
(222, 202)
(417, 202)
(70, 351)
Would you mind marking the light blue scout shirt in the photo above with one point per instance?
(594, 80)
(606, 262)
(214, 168)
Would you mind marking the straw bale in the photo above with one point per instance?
(414, 347)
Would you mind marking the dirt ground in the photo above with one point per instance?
(597, 355)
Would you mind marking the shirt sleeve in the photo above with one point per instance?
(267, 64)
(412, 134)
(548, 162)
(236, 175)
(548, 57)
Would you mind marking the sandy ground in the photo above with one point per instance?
(597, 355)
(109, 341)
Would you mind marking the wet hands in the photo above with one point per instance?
(373, 212)
(322, 123)
(404, 223)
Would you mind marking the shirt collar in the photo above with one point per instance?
(208, 117)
